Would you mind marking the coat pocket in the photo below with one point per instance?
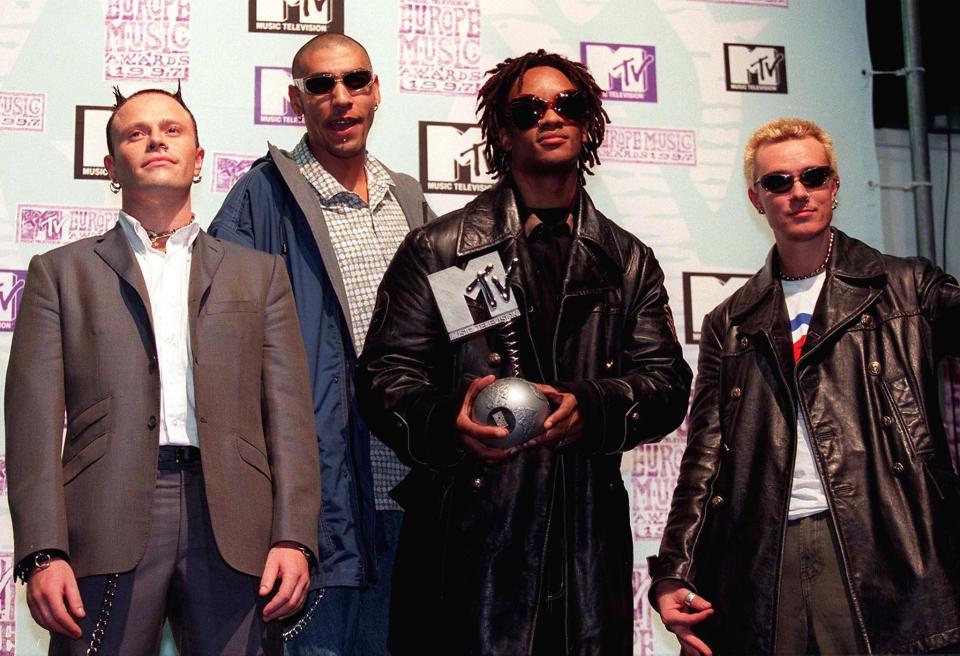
(82, 459)
(87, 426)
(254, 457)
(222, 307)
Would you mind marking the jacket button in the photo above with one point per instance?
(887, 421)
(716, 501)
(494, 359)
(736, 393)
(897, 468)
(476, 483)
(608, 364)
(634, 416)
(152, 422)
(866, 320)
(744, 342)
(874, 368)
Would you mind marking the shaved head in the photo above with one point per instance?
(321, 42)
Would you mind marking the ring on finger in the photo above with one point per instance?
(688, 600)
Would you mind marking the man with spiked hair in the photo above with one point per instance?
(527, 549)
(185, 487)
(336, 214)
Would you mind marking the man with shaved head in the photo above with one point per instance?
(337, 215)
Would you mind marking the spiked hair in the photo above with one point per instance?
(119, 100)
(492, 107)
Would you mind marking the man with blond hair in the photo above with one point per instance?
(816, 508)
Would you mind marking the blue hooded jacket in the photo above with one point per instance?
(272, 208)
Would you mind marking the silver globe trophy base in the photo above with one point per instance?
(512, 403)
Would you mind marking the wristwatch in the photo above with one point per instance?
(36, 560)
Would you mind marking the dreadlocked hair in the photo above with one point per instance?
(492, 105)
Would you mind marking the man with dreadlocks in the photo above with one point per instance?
(525, 549)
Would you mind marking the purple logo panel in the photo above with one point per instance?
(227, 169)
(12, 282)
(60, 224)
(439, 44)
(147, 40)
(8, 618)
(271, 104)
(20, 111)
(649, 146)
(624, 72)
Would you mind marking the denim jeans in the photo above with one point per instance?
(348, 621)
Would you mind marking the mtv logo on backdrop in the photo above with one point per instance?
(624, 72)
(701, 293)
(22, 111)
(271, 106)
(451, 158)
(12, 282)
(296, 16)
(755, 68)
(90, 142)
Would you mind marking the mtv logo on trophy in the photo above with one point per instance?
(477, 298)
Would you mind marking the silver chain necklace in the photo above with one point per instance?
(816, 272)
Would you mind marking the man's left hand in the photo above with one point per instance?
(288, 564)
(564, 425)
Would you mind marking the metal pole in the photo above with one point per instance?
(917, 117)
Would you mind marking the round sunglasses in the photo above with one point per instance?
(526, 111)
(323, 83)
(811, 178)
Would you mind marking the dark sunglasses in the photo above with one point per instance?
(526, 111)
(812, 178)
(323, 83)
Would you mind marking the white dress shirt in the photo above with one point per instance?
(167, 276)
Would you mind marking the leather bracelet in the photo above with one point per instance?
(35, 561)
(308, 555)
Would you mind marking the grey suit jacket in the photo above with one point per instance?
(84, 344)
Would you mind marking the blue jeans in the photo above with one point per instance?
(348, 621)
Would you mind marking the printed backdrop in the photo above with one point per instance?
(686, 81)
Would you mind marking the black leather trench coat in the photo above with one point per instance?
(469, 567)
(866, 382)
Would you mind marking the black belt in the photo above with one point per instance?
(178, 455)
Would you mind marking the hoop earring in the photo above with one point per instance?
(115, 186)
(197, 178)
(760, 210)
(835, 204)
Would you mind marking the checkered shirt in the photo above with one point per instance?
(365, 238)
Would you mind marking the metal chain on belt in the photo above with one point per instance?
(304, 620)
(109, 593)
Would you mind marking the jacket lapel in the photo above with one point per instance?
(854, 280)
(307, 200)
(114, 249)
(205, 259)
(761, 310)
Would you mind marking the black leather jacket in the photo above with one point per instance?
(470, 561)
(866, 382)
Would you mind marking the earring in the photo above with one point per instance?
(197, 178)
(835, 204)
(115, 186)
(760, 210)
(376, 107)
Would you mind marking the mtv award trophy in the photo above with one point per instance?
(512, 403)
